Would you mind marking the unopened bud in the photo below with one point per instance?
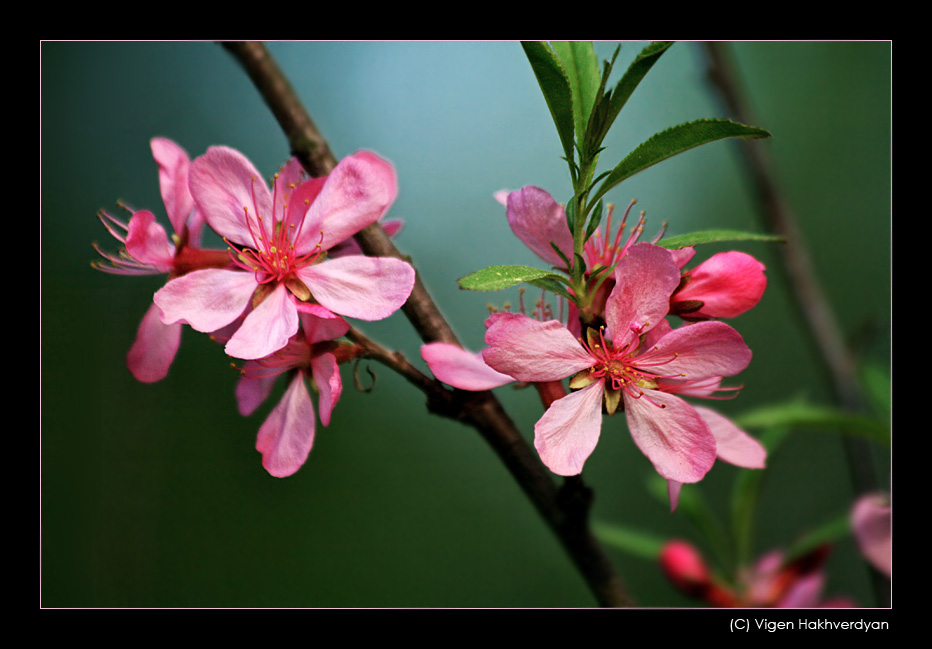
(684, 566)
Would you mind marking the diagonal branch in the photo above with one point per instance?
(564, 509)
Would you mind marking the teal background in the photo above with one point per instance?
(153, 495)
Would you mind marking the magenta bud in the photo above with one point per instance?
(726, 285)
(684, 566)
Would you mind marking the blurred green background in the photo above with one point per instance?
(153, 495)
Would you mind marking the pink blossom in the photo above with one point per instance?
(636, 361)
(872, 522)
(279, 241)
(772, 582)
(287, 435)
(724, 286)
(148, 251)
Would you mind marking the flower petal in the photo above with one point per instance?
(568, 432)
(154, 349)
(645, 278)
(206, 299)
(254, 386)
(287, 435)
(148, 242)
(367, 288)
(326, 373)
(267, 328)
(357, 193)
(671, 434)
(320, 324)
(230, 193)
(174, 167)
(538, 220)
(698, 351)
(872, 521)
(530, 350)
(732, 444)
(462, 369)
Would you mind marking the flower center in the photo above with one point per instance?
(619, 367)
(273, 256)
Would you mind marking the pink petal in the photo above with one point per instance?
(206, 299)
(254, 387)
(698, 351)
(671, 434)
(728, 284)
(462, 369)
(286, 436)
(367, 288)
(320, 324)
(349, 247)
(804, 592)
(538, 220)
(267, 328)
(872, 521)
(326, 373)
(226, 187)
(673, 491)
(154, 349)
(174, 166)
(568, 432)
(148, 242)
(357, 193)
(732, 444)
(645, 278)
(531, 351)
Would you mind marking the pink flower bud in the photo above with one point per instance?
(723, 286)
(684, 566)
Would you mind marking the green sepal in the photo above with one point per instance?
(612, 399)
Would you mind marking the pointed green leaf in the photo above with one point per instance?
(634, 542)
(829, 532)
(582, 69)
(801, 414)
(496, 278)
(626, 86)
(672, 141)
(555, 85)
(716, 236)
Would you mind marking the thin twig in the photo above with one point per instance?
(802, 280)
(567, 517)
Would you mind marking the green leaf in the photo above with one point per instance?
(801, 414)
(625, 88)
(582, 69)
(716, 236)
(496, 278)
(634, 542)
(555, 84)
(672, 141)
(830, 532)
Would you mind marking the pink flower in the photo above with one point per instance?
(279, 241)
(638, 361)
(724, 286)
(148, 251)
(772, 582)
(287, 435)
(872, 522)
